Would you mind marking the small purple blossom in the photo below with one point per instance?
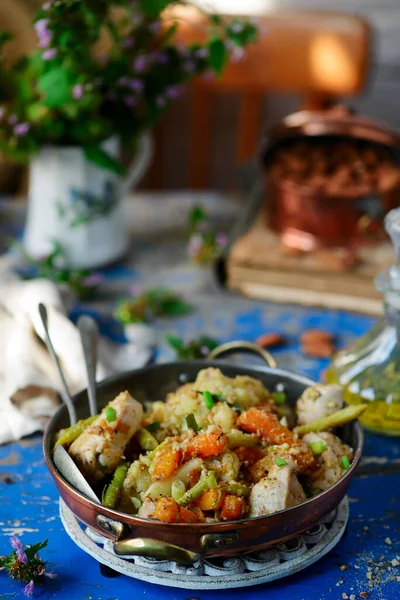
(135, 84)
(21, 129)
(135, 290)
(77, 91)
(237, 54)
(189, 66)
(195, 245)
(202, 52)
(237, 28)
(155, 27)
(43, 33)
(93, 280)
(140, 63)
(173, 91)
(161, 58)
(22, 557)
(130, 101)
(128, 42)
(50, 574)
(12, 119)
(160, 101)
(49, 54)
(204, 350)
(221, 239)
(15, 542)
(28, 589)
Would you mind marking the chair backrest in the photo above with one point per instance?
(321, 56)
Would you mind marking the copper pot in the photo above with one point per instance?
(187, 542)
(307, 217)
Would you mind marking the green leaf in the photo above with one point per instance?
(174, 341)
(103, 160)
(175, 307)
(55, 86)
(32, 550)
(218, 55)
(152, 8)
(197, 215)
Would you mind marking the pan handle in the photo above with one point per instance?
(248, 347)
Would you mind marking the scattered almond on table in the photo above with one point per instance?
(270, 340)
(317, 343)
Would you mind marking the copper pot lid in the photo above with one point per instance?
(338, 121)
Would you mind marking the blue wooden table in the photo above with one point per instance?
(29, 500)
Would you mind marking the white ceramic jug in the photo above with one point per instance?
(77, 204)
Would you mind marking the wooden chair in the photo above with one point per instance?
(322, 56)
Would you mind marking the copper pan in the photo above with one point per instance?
(188, 542)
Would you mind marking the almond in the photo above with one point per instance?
(270, 340)
(312, 336)
(318, 349)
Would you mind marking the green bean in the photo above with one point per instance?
(145, 440)
(65, 437)
(336, 419)
(237, 438)
(238, 489)
(207, 482)
(178, 489)
(111, 492)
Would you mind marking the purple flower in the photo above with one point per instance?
(237, 54)
(140, 63)
(43, 33)
(77, 91)
(237, 28)
(22, 557)
(222, 239)
(28, 589)
(136, 84)
(15, 542)
(202, 53)
(204, 350)
(160, 101)
(21, 129)
(195, 245)
(173, 92)
(135, 290)
(128, 42)
(130, 101)
(12, 119)
(92, 280)
(161, 58)
(189, 66)
(49, 54)
(155, 27)
(50, 574)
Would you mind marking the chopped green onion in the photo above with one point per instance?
(155, 426)
(279, 397)
(233, 405)
(111, 415)
(208, 400)
(137, 503)
(317, 447)
(191, 422)
(236, 488)
(145, 440)
(280, 462)
(212, 481)
(344, 461)
(178, 489)
(206, 482)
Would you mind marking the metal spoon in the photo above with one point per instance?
(62, 459)
(89, 333)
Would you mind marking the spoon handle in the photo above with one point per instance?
(65, 393)
(89, 334)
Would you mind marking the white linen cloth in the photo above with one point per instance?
(29, 383)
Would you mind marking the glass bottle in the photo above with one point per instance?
(369, 369)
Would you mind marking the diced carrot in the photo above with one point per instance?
(194, 476)
(249, 455)
(167, 510)
(166, 464)
(187, 516)
(266, 424)
(211, 500)
(207, 444)
(233, 508)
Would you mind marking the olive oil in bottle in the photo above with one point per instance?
(369, 369)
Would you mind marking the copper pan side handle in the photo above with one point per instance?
(243, 346)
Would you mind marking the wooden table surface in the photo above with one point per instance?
(29, 500)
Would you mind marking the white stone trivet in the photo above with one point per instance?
(208, 574)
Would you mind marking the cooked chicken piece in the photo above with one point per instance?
(330, 468)
(317, 402)
(262, 467)
(280, 490)
(242, 390)
(99, 449)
